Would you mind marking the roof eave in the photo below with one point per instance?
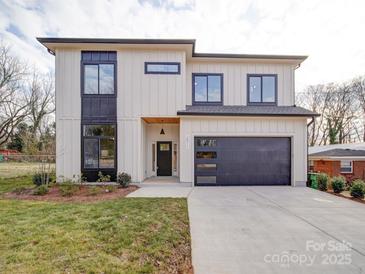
(48, 41)
(183, 113)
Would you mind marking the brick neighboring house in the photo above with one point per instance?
(341, 160)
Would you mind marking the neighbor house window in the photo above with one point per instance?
(99, 72)
(207, 88)
(161, 68)
(262, 89)
(346, 166)
(99, 146)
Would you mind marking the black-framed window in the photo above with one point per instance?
(162, 68)
(99, 147)
(262, 89)
(98, 72)
(207, 88)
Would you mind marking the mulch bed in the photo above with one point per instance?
(82, 194)
(349, 198)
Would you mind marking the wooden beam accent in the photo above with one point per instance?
(161, 120)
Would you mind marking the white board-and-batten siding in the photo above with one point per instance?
(68, 114)
(160, 95)
(235, 80)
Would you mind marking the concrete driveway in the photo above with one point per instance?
(275, 230)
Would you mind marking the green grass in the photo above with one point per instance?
(130, 235)
(9, 184)
(15, 169)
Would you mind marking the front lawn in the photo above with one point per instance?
(10, 184)
(16, 169)
(128, 235)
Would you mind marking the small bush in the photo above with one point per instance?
(37, 179)
(93, 190)
(322, 179)
(68, 188)
(41, 190)
(124, 179)
(358, 189)
(338, 184)
(103, 178)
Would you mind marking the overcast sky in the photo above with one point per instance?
(331, 32)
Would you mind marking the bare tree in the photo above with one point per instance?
(359, 89)
(42, 89)
(14, 102)
(316, 99)
(337, 104)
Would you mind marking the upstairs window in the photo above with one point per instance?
(346, 166)
(262, 89)
(98, 72)
(207, 88)
(161, 68)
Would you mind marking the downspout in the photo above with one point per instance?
(308, 125)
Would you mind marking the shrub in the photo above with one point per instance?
(41, 190)
(322, 179)
(93, 190)
(37, 179)
(68, 188)
(103, 178)
(124, 179)
(358, 189)
(338, 184)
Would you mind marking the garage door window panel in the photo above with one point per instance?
(206, 154)
(206, 179)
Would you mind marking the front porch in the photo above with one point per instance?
(160, 150)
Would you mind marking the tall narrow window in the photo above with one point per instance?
(153, 157)
(174, 159)
(207, 88)
(262, 89)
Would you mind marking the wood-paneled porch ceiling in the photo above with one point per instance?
(161, 120)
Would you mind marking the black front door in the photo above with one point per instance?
(164, 159)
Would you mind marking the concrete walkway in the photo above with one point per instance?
(275, 230)
(162, 187)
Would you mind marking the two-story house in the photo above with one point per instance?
(155, 107)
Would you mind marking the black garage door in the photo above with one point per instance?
(242, 161)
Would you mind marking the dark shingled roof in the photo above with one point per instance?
(247, 111)
(340, 152)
